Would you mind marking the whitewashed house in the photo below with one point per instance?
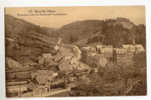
(137, 48)
(107, 50)
(89, 48)
(129, 47)
(120, 50)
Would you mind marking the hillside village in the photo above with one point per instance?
(46, 79)
(45, 68)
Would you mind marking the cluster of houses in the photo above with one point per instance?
(45, 78)
(127, 51)
(126, 48)
(68, 59)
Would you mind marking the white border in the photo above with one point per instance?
(47, 3)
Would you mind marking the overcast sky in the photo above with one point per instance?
(69, 14)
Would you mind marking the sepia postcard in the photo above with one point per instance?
(75, 51)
